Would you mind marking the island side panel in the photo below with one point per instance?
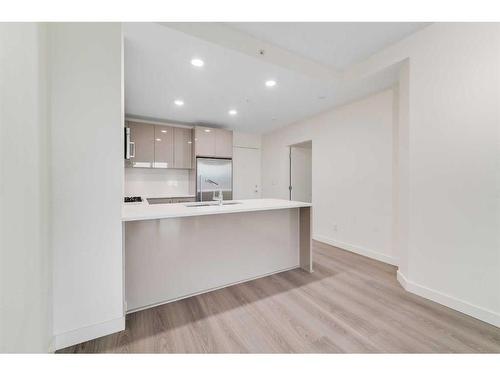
(305, 238)
(168, 259)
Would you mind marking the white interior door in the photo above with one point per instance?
(246, 173)
(301, 173)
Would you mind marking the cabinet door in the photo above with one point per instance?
(143, 137)
(246, 173)
(223, 143)
(204, 139)
(183, 154)
(164, 147)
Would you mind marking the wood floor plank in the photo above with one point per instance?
(427, 313)
(350, 304)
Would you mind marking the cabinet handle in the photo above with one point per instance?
(132, 147)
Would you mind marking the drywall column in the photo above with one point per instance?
(454, 169)
(401, 154)
(87, 179)
(25, 261)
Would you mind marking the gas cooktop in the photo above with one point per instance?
(132, 199)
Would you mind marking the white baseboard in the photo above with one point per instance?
(63, 340)
(52, 345)
(358, 250)
(477, 312)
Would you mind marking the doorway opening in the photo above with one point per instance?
(300, 188)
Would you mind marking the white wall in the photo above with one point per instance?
(453, 174)
(250, 140)
(351, 173)
(301, 173)
(454, 165)
(87, 179)
(25, 263)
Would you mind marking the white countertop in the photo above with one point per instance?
(171, 196)
(166, 196)
(145, 211)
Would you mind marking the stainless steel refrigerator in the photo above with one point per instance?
(213, 174)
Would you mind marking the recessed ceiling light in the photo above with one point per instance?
(163, 131)
(189, 142)
(207, 130)
(271, 83)
(233, 112)
(158, 139)
(179, 102)
(197, 62)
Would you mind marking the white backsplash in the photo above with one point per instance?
(147, 182)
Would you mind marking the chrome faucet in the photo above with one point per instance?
(219, 198)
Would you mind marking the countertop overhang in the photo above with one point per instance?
(146, 211)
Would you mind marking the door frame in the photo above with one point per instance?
(299, 144)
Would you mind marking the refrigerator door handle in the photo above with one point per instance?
(201, 189)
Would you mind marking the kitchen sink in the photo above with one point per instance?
(198, 204)
(205, 204)
(159, 200)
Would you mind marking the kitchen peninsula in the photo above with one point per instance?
(173, 251)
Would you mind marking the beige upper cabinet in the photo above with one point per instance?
(223, 143)
(142, 136)
(213, 142)
(204, 139)
(160, 146)
(164, 146)
(183, 150)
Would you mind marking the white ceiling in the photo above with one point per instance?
(336, 44)
(158, 71)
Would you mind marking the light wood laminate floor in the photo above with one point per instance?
(350, 304)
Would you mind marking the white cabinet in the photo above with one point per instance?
(246, 173)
